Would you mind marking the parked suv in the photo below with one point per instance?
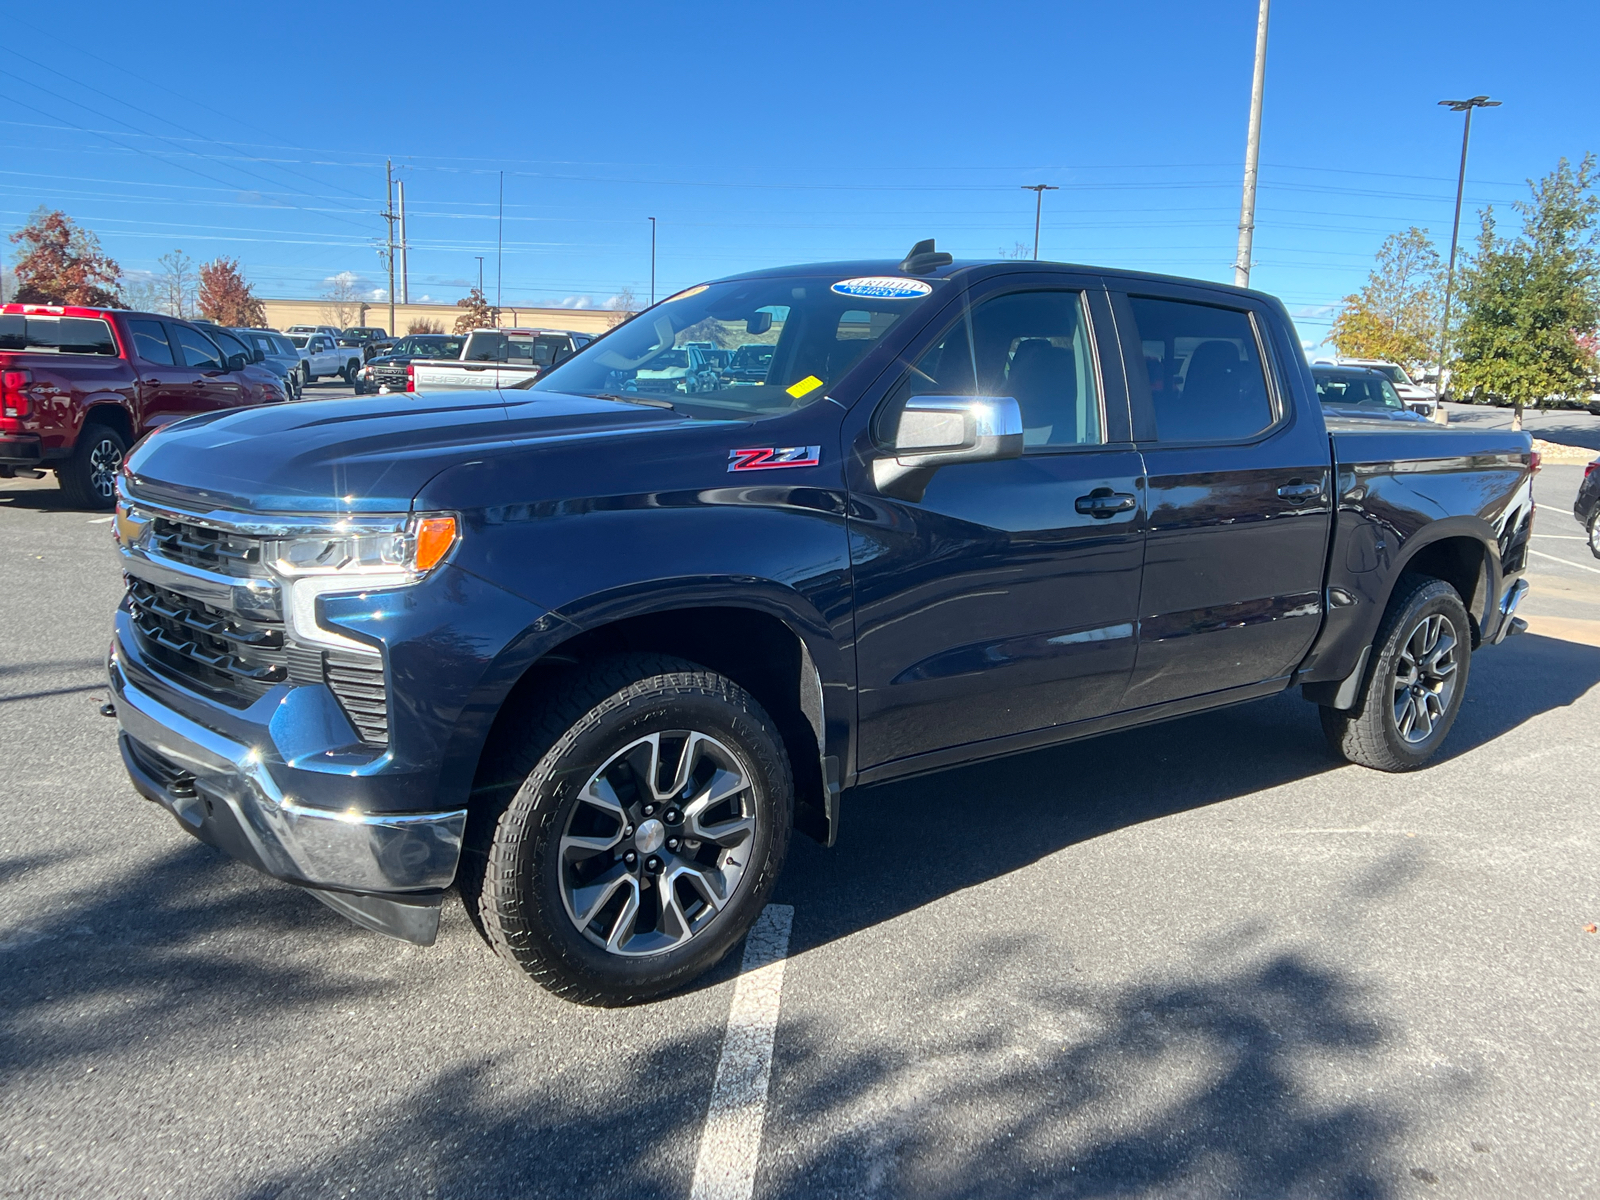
(278, 352)
(79, 386)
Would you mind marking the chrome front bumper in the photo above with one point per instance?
(225, 793)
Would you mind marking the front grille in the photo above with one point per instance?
(209, 549)
(222, 651)
(389, 373)
(357, 681)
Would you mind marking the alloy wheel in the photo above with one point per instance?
(1425, 678)
(105, 460)
(657, 843)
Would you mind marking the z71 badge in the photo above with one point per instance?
(768, 458)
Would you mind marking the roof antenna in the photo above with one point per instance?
(924, 259)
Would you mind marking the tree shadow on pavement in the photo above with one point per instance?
(182, 944)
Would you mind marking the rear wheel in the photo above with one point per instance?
(1594, 532)
(1414, 690)
(351, 370)
(89, 477)
(649, 828)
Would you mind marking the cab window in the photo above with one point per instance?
(1032, 346)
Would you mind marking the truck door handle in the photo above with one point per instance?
(1299, 493)
(1103, 502)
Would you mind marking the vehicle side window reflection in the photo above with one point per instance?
(198, 350)
(1205, 371)
(150, 340)
(1033, 346)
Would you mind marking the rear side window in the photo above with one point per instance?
(56, 335)
(150, 342)
(1204, 366)
(197, 349)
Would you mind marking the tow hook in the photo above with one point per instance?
(108, 710)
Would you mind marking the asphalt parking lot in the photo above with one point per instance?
(1203, 959)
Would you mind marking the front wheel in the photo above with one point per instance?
(1415, 689)
(1594, 532)
(648, 830)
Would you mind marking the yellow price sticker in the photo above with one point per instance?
(805, 387)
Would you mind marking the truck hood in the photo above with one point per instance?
(360, 455)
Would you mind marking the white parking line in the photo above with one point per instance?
(1562, 537)
(731, 1141)
(1566, 561)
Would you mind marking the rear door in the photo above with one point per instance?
(165, 392)
(1239, 493)
(1003, 601)
(205, 377)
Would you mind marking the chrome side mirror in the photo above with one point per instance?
(940, 431)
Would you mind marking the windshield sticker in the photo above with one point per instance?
(767, 458)
(805, 387)
(883, 287)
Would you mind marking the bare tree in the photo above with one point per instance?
(425, 325)
(176, 284)
(1017, 251)
(341, 303)
(623, 307)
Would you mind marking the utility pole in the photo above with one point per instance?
(1252, 155)
(405, 271)
(389, 216)
(479, 257)
(1038, 190)
(499, 247)
(1460, 106)
(652, 260)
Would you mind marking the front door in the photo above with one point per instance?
(1004, 600)
(1239, 494)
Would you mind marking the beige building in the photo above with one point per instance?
(283, 313)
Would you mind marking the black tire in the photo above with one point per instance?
(1594, 532)
(351, 370)
(1371, 733)
(88, 479)
(598, 716)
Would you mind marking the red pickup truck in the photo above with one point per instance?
(79, 386)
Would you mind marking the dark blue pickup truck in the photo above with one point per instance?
(589, 651)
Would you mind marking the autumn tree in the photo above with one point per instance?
(1527, 302)
(225, 296)
(62, 263)
(1395, 317)
(477, 313)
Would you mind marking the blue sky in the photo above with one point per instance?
(760, 134)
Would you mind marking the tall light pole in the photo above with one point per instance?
(479, 257)
(1038, 190)
(499, 246)
(1252, 155)
(389, 216)
(1460, 106)
(652, 260)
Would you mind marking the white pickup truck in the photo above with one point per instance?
(321, 354)
(497, 358)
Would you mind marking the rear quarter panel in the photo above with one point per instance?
(1400, 490)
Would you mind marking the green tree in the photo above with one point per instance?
(1395, 317)
(62, 263)
(1528, 302)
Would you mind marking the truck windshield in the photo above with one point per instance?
(797, 336)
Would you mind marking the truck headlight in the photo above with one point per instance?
(354, 561)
